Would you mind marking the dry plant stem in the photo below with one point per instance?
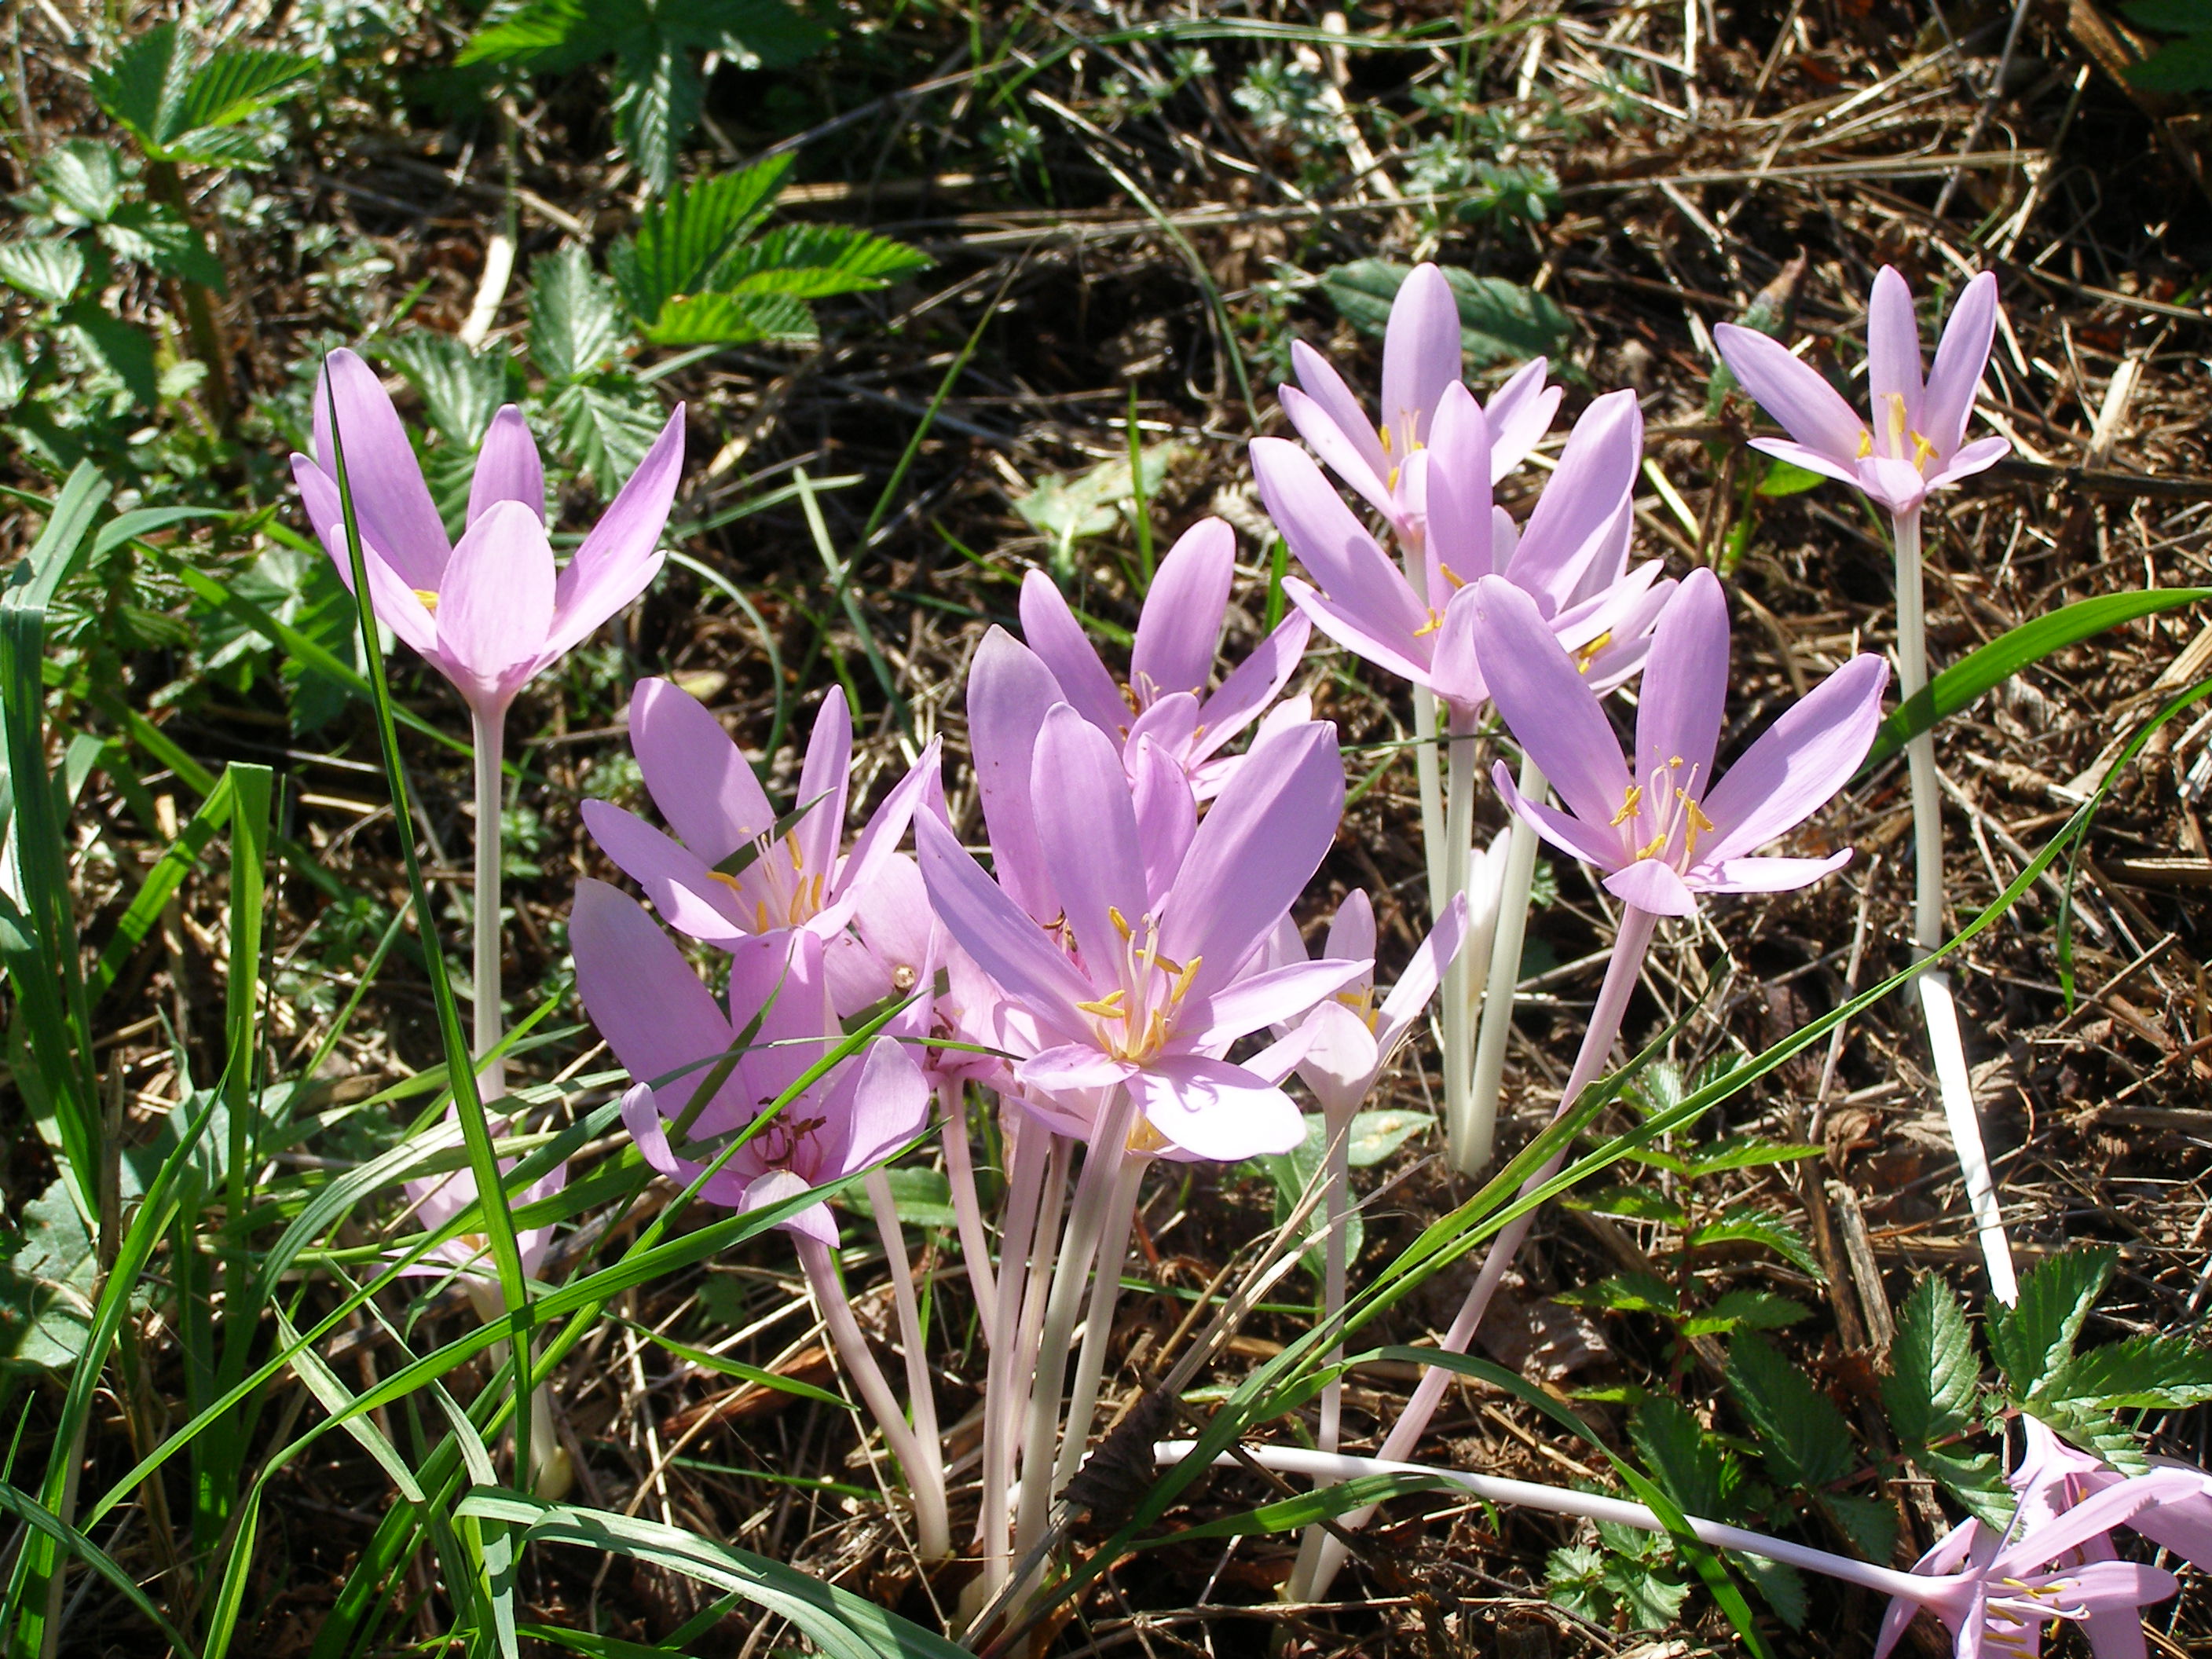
(1098, 1319)
(1459, 1017)
(1504, 976)
(1086, 1224)
(1328, 1431)
(960, 1173)
(489, 733)
(1952, 1081)
(1032, 1148)
(1561, 1500)
(922, 1397)
(931, 1523)
(1629, 946)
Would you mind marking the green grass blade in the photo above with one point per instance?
(68, 1539)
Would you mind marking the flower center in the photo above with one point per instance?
(777, 885)
(1665, 805)
(1135, 1017)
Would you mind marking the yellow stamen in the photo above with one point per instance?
(1699, 823)
(1383, 433)
(1435, 620)
(1865, 443)
(1143, 1138)
(1588, 654)
(1120, 922)
(1107, 1007)
(1451, 576)
(1183, 980)
(1923, 452)
(1650, 849)
(1631, 797)
(430, 598)
(728, 880)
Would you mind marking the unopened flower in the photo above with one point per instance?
(437, 1200)
(1662, 829)
(1178, 636)
(1913, 440)
(491, 611)
(740, 871)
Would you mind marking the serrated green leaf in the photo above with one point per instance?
(2036, 1335)
(85, 177)
(657, 106)
(1499, 321)
(682, 239)
(1629, 1204)
(1756, 1310)
(1800, 1435)
(47, 268)
(1636, 1292)
(461, 389)
(1780, 1583)
(812, 262)
(606, 426)
(1645, 1599)
(553, 34)
(1973, 1480)
(1934, 1371)
(1374, 1135)
(575, 326)
(233, 85)
(1681, 1456)
(734, 319)
(2150, 1372)
(1749, 1153)
(154, 233)
(144, 86)
(1748, 1226)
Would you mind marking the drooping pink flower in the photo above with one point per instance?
(1178, 636)
(1422, 359)
(669, 1034)
(1571, 558)
(491, 611)
(436, 1199)
(1140, 981)
(1662, 830)
(731, 877)
(1914, 441)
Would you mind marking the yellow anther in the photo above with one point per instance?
(1451, 576)
(1631, 797)
(430, 597)
(1383, 433)
(1165, 964)
(1120, 922)
(1650, 849)
(1588, 654)
(728, 881)
(760, 916)
(1107, 1007)
(1435, 620)
(1391, 482)
(1865, 443)
(1143, 1138)
(1184, 978)
(1923, 452)
(1699, 823)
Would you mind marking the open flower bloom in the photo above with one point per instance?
(896, 947)
(2053, 1477)
(1997, 1598)
(1661, 828)
(679, 1045)
(1422, 359)
(1138, 986)
(1914, 440)
(1351, 1040)
(733, 875)
(1178, 636)
(437, 1200)
(1571, 558)
(490, 611)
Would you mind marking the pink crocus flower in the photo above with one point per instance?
(896, 947)
(729, 878)
(1913, 443)
(1572, 557)
(1997, 1598)
(1178, 636)
(1662, 828)
(1141, 985)
(668, 1032)
(490, 611)
(436, 1199)
(1422, 359)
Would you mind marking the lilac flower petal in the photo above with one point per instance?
(642, 995)
(1087, 823)
(1977, 457)
(698, 778)
(1520, 413)
(1892, 365)
(877, 841)
(1421, 352)
(1179, 629)
(1251, 685)
(1580, 508)
(1278, 995)
(1757, 875)
(1007, 944)
(1650, 885)
(1257, 847)
(779, 1186)
(1812, 460)
(889, 1107)
(1328, 396)
(508, 467)
(681, 885)
(641, 1116)
(1169, 724)
(1458, 490)
(1280, 1058)
(1341, 1060)
(622, 554)
(1594, 844)
(1009, 689)
(1799, 762)
(389, 496)
(823, 780)
(1218, 1111)
(1341, 453)
(778, 986)
(1551, 710)
(1350, 568)
(1395, 1019)
(1794, 394)
(1167, 814)
(497, 601)
(1456, 672)
(1961, 357)
(1051, 632)
(1353, 634)
(1895, 484)
(2116, 1505)
(1351, 929)
(1686, 682)
(1072, 1065)
(318, 494)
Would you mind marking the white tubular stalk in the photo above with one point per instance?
(1030, 1148)
(1335, 1273)
(1431, 779)
(1458, 1015)
(1953, 1083)
(1098, 1321)
(1499, 986)
(960, 1175)
(921, 1396)
(489, 735)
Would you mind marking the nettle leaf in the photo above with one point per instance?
(1643, 1599)
(233, 85)
(46, 1289)
(657, 106)
(1974, 1479)
(461, 390)
(752, 34)
(144, 86)
(1636, 1292)
(553, 35)
(1800, 1435)
(606, 426)
(1499, 321)
(1744, 1225)
(681, 240)
(575, 326)
(1782, 1584)
(47, 268)
(1934, 1371)
(2150, 1372)
(154, 233)
(812, 262)
(85, 177)
(1756, 1310)
(1690, 1466)
(734, 319)
(1374, 1135)
(1750, 1153)
(1629, 1203)
(2036, 1335)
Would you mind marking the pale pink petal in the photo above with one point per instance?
(1341, 1060)
(1686, 680)
(1251, 685)
(877, 843)
(1961, 357)
(1087, 825)
(648, 1004)
(1813, 460)
(1458, 493)
(1179, 632)
(1169, 724)
(1799, 762)
(887, 1106)
(1272, 997)
(1007, 944)
(1977, 457)
(496, 604)
(1327, 395)
(1757, 875)
(1072, 1065)
(1550, 710)
(390, 499)
(1009, 689)
(1342, 452)
(1351, 929)
(1350, 568)
(1393, 651)
(698, 778)
(1053, 633)
(680, 885)
(779, 1186)
(1167, 814)
(1403, 1007)
(320, 496)
(1895, 484)
(508, 467)
(1520, 413)
(1216, 1110)
(641, 1116)
(1650, 885)
(1795, 395)
(622, 554)
(1892, 365)
(823, 781)
(1578, 515)
(1421, 353)
(1595, 843)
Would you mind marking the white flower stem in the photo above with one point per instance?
(967, 1207)
(1023, 1353)
(1098, 1319)
(1504, 976)
(1954, 1083)
(1628, 948)
(1028, 1146)
(1458, 1016)
(1328, 1432)
(1594, 1506)
(932, 1525)
(1431, 779)
(921, 1396)
(488, 732)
